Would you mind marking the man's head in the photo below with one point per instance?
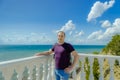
(61, 36)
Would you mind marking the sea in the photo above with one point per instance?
(10, 52)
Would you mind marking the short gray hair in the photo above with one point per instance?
(61, 32)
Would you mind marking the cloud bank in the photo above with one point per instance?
(108, 33)
(98, 9)
(69, 26)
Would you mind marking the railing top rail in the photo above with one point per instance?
(98, 56)
(23, 59)
(44, 57)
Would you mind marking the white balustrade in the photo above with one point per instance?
(100, 58)
(10, 70)
(42, 68)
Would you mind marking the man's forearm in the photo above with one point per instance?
(43, 53)
(75, 60)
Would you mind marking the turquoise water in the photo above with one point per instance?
(8, 52)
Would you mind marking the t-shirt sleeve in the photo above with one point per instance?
(53, 47)
(71, 48)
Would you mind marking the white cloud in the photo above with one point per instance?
(70, 33)
(78, 40)
(98, 9)
(106, 24)
(117, 22)
(32, 38)
(115, 29)
(79, 34)
(109, 32)
(95, 34)
(68, 26)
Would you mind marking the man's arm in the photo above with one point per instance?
(75, 61)
(44, 53)
(76, 58)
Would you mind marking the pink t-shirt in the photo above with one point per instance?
(62, 55)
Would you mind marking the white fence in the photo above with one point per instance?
(31, 68)
(101, 61)
(42, 68)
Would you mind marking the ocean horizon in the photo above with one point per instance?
(10, 52)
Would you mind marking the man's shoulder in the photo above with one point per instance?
(68, 44)
(69, 47)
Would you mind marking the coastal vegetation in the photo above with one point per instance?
(112, 48)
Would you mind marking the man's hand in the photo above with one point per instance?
(68, 69)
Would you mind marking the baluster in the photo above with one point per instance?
(45, 74)
(37, 72)
(40, 73)
(53, 69)
(111, 63)
(14, 76)
(101, 68)
(20, 76)
(25, 74)
(34, 73)
(91, 68)
(82, 74)
(20, 71)
(49, 68)
(8, 72)
(74, 74)
(48, 74)
(78, 70)
(30, 73)
(1, 76)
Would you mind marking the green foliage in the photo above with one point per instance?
(116, 63)
(113, 47)
(95, 67)
(95, 52)
(96, 71)
(87, 68)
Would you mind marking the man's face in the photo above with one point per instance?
(61, 37)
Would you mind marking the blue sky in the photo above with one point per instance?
(86, 22)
